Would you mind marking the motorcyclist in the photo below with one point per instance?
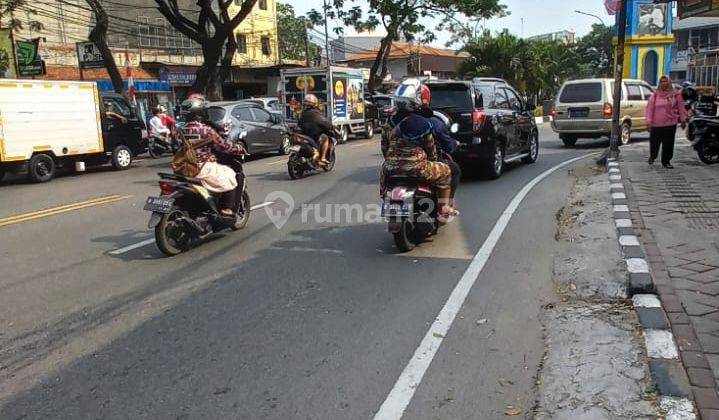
(157, 128)
(315, 126)
(194, 110)
(410, 149)
(440, 131)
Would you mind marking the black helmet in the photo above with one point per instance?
(194, 105)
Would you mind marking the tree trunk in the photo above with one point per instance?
(207, 81)
(379, 68)
(98, 35)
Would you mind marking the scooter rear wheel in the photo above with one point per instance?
(405, 238)
(294, 170)
(708, 154)
(171, 236)
(243, 218)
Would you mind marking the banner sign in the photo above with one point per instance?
(178, 78)
(29, 62)
(7, 55)
(89, 56)
(612, 6)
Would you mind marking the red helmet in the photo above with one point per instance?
(425, 95)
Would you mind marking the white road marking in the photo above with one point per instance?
(401, 394)
(646, 301)
(149, 241)
(660, 344)
(133, 246)
(306, 249)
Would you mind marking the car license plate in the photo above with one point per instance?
(395, 209)
(159, 204)
(578, 113)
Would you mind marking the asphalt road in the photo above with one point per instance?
(316, 320)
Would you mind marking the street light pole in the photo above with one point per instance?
(327, 42)
(592, 15)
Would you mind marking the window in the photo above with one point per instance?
(242, 114)
(451, 95)
(118, 106)
(262, 4)
(634, 92)
(581, 92)
(514, 102)
(265, 41)
(261, 116)
(500, 99)
(647, 91)
(485, 94)
(241, 43)
(216, 114)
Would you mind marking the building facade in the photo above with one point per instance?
(695, 56)
(566, 37)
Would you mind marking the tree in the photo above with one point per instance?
(214, 29)
(9, 7)
(403, 18)
(292, 31)
(596, 51)
(98, 35)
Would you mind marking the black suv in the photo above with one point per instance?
(495, 125)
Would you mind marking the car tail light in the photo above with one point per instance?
(166, 188)
(554, 113)
(391, 110)
(478, 117)
(608, 110)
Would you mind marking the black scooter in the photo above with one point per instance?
(302, 154)
(186, 213)
(703, 129)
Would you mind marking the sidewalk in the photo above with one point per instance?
(676, 214)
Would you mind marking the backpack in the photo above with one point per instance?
(185, 160)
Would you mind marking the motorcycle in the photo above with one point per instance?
(158, 146)
(186, 213)
(410, 207)
(303, 156)
(703, 130)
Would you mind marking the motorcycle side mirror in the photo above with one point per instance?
(243, 134)
(454, 128)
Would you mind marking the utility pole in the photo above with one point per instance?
(327, 37)
(307, 46)
(618, 75)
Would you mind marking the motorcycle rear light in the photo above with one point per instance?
(398, 194)
(608, 110)
(425, 189)
(166, 188)
(478, 117)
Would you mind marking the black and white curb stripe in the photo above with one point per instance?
(672, 383)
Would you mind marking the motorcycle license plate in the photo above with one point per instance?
(394, 209)
(159, 204)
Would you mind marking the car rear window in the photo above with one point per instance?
(581, 92)
(451, 96)
(216, 114)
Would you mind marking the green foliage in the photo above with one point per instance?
(402, 18)
(291, 33)
(596, 51)
(22, 7)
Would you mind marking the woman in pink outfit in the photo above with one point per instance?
(664, 111)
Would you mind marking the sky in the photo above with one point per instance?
(540, 16)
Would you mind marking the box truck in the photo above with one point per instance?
(45, 125)
(341, 94)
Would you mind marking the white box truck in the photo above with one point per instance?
(49, 124)
(341, 94)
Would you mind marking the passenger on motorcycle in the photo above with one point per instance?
(157, 128)
(410, 150)
(215, 176)
(412, 88)
(315, 126)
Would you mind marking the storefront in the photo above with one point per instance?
(149, 93)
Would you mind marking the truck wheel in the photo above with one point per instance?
(369, 130)
(2, 174)
(41, 168)
(121, 158)
(344, 134)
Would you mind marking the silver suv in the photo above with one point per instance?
(584, 108)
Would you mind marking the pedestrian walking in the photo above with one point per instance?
(664, 111)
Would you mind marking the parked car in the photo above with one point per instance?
(265, 132)
(495, 125)
(584, 108)
(384, 104)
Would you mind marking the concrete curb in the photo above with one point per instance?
(670, 378)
